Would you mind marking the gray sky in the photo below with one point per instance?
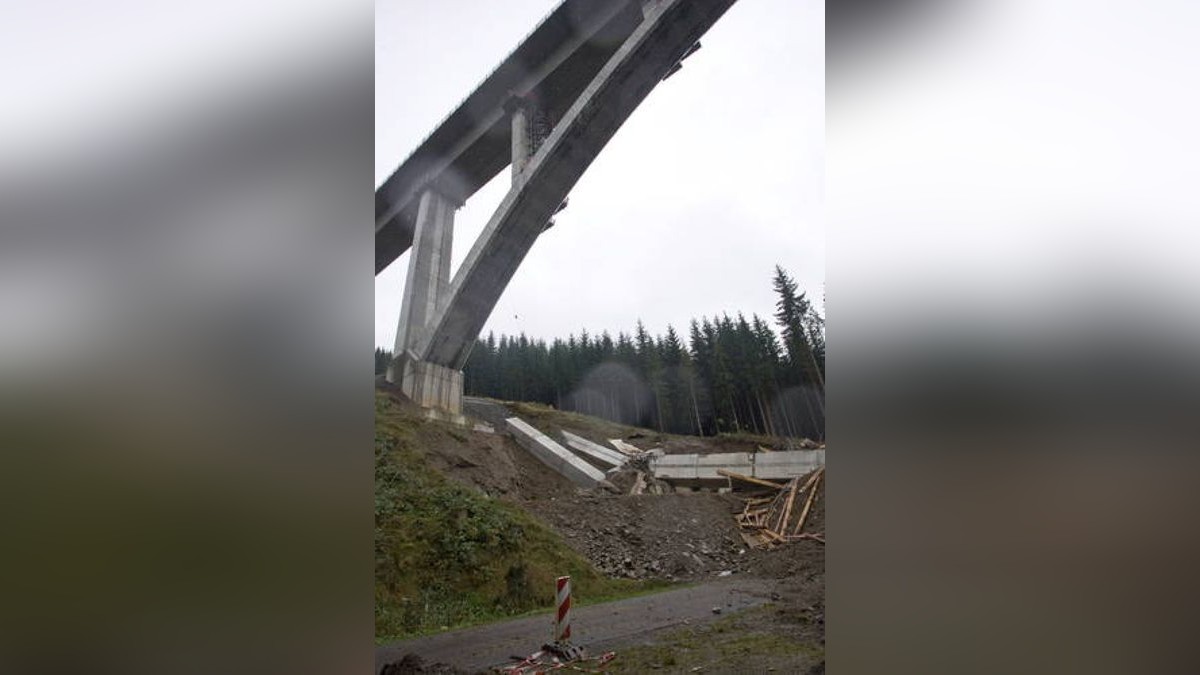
(715, 178)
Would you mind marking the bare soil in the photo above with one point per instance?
(687, 537)
(680, 537)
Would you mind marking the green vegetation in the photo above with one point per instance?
(545, 417)
(447, 556)
(750, 641)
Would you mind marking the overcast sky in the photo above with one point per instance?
(713, 180)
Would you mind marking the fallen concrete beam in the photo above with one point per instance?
(787, 465)
(553, 455)
(593, 452)
(701, 467)
(705, 469)
(675, 467)
(738, 462)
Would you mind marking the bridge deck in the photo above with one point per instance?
(474, 143)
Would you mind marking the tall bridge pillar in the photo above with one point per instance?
(522, 139)
(530, 127)
(426, 287)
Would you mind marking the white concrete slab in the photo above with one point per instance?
(767, 465)
(788, 464)
(553, 455)
(738, 462)
(678, 467)
(592, 451)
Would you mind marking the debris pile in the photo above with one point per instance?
(672, 536)
(633, 481)
(635, 476)
(769, 521)
(554, 657)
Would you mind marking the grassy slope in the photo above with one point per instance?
(550, 420)
(447, 556)
(753, 641)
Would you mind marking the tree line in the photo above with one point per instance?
(731, 374)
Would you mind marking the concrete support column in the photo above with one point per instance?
(522, 139)
(530, 127)
(436, 388)
(428, 278)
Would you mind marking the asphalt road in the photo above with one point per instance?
(597, 628)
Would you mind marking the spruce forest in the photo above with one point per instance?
(731, 375)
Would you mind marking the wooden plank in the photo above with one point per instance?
(787, 509)
(809, 502)
(639, 484)
(750, 479)
(811, 477)
(762, 449)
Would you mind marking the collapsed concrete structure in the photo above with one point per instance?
(594, 452)
(702, 470)
(554, 455)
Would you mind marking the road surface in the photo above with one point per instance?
(597, 628)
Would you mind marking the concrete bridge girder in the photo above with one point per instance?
(464, 152)
(542, 177)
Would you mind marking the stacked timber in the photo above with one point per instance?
(774, 519)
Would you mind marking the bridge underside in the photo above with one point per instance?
(473, 144)
(549, 137)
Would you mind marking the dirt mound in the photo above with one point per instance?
(492, 463)
(685, 536)
(411, 664)
(676, 536)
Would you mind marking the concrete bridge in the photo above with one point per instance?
(546, 112)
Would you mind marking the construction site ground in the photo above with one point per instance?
(771, 603)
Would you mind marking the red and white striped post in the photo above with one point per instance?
(562, 620)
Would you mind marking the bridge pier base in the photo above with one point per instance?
(437, 389)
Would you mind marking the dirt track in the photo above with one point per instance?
(598, 628)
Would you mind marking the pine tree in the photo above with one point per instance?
(383, 358)
(732, 375)
(791, 316)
